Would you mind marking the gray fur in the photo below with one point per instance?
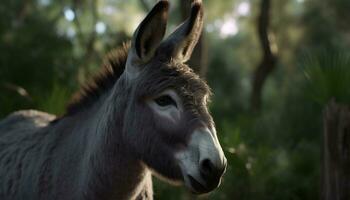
(109, 141)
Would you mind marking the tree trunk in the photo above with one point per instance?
(268, 61)
(199, 59)
(336, 153)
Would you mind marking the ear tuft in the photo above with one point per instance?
(180, 44)
(147, 39)
(196, 14)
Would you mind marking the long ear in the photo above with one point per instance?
(181, 42)
(148, 35)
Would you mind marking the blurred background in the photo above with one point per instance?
(273, 66)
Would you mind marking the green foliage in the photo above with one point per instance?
(328, 75)
(32, 55)
(55, 102)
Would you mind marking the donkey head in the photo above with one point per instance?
(167, 123)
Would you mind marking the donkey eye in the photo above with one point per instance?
(165, 100)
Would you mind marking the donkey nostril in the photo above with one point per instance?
(207, 167)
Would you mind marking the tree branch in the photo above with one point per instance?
(268, 62)
(77, 24)
(88, 41)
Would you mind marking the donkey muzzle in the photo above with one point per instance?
(203, 162)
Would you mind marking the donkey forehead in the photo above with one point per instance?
(177, 76)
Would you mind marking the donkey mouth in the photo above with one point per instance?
(197, 187)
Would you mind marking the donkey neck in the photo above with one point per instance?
(110, 169)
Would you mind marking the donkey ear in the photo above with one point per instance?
(149, 33)
(181, 42)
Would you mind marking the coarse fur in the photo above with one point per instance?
(110, 141)
(112, 68)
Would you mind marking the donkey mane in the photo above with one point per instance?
(112, 68)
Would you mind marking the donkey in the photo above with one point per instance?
(145, 114)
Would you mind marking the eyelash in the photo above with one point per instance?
(165, 100)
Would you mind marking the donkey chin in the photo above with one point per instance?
(203, 162)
